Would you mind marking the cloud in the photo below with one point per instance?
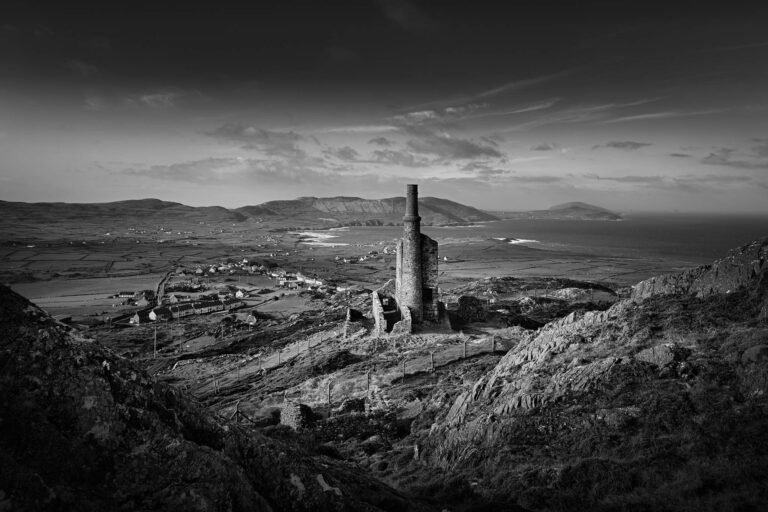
(680, 155)
(380, 141)
(761, 149)
(365, 128)
(628, 145)
(155, 100)
(403, 158)
(544, 178)
(212, 171)
(484, 171)
(628, 179)
(198, 171)
(446, 147)
(433, 115)
(408, 16)
(546, 146)
(516, 85)
(727, 157)
(95, 102)
(663, 115)
(578, 114)
(694, 183)
(81, 68)
(273, 143)
(344, 153)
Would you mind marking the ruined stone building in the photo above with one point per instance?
(411, 298)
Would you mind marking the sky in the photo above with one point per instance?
(629, 105)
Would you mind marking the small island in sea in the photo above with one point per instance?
(566, 211)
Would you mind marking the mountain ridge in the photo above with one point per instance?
(307, 210)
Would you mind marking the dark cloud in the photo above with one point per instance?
(404, 158)
(446, 147)
(727, 157)
(343, 153)
(546, 146)
(273, 143)
(380, 141)
(761, 149)
(628, 145)
(680, 155)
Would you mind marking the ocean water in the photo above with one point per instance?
(693, 239)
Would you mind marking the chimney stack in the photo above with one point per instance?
(411, 278)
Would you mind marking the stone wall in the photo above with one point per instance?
(295, 415)
(429, 262)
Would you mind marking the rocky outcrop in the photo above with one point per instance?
(680, 363)
(83, 429)
(741, 267)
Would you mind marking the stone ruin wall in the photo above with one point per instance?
(429, 273)
(295, 415)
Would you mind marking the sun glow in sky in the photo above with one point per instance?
(629, 105)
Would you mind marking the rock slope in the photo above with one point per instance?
(658, 403)
(83, 429)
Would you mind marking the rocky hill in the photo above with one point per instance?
(79, 220)
(345, 210)
(84, 429)
(566, 211)
(658, 403)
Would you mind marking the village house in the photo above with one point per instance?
(181, 310)
(140, 317)
(176, 298)
(207, 306)
(125, 295)
(160, 314)
(232, 304)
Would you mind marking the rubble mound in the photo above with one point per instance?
(84, 429)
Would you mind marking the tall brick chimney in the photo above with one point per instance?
(411, 279)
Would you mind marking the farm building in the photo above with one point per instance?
(160, 314)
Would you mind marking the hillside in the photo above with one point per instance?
(566, 211)
(658, 403)
(344, 210)
(78, 219)
(84, 429)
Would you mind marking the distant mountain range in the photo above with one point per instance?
(302, 212)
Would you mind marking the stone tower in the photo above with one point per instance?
(411, 298)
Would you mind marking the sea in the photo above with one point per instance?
(686, 238)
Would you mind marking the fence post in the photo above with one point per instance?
(403, 370)
(465, 349)
(368, 381)
(432, 361)
(308, 345)
(493, 344)
(329, 393)
(278, 357)
(259, 362)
